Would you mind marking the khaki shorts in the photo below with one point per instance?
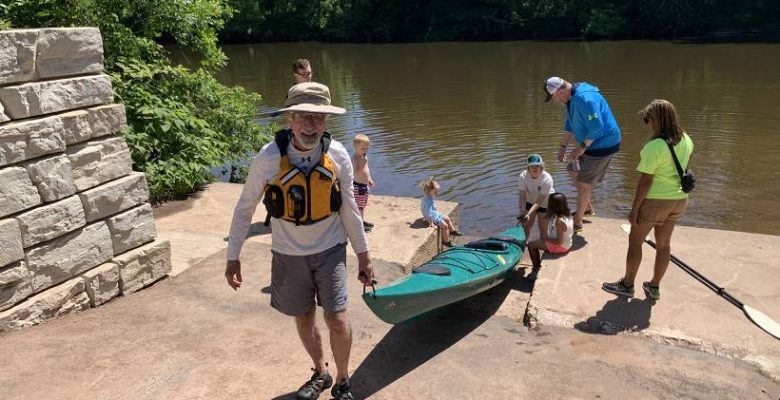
(657, 212)
(297, 280)
(592, 169)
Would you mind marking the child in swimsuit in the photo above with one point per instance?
(362, 183)
(430, 190)
(558, 238)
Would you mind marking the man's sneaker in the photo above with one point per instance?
(341, 391)
(618, 288)
(456, 233)
(448, 243)
(312, 389)
(577, 228)
(652, 292)
(368, 224)
(367, 228)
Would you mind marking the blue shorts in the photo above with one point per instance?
(437, 217)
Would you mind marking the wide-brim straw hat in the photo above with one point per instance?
(309, 97)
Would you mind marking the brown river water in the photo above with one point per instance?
(469, 114)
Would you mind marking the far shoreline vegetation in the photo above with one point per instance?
(183, 123)
(390, 21)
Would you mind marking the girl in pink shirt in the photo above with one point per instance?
(558, 238)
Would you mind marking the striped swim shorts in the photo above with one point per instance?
(361, 192)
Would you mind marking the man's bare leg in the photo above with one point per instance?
(573, 175)
(583, 199)
(311, 339)
(340, 342)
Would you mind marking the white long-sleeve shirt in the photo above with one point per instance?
(286, 238)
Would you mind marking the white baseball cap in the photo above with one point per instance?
(551, 85)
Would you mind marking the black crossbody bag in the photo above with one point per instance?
(687, 179)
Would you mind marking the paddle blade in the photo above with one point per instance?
(627, 229)
(761, 320)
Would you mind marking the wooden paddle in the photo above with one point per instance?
(760, 319)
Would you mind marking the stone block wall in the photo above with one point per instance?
(76, 226)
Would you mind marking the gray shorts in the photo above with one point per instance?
(592, 169)
(297, 280)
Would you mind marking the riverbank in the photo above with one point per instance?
(190, 337)
(567, 292)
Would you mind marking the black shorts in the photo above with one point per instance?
(540, 209)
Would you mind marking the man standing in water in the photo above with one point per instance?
(301, 69)
(590, 122)
(306, 179)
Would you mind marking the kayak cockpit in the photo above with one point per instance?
(487, 244)
(433, 269)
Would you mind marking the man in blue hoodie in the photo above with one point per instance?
(591, 125)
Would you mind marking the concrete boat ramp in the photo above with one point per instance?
(559, 337)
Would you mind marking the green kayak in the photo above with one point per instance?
(453, 275)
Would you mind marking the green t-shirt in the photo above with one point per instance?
(656, 160)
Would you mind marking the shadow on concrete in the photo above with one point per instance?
(419, 223)
(619, 315)
(259, 229)
(577, 242)
(410, 344)
(256, 229)
(523, 279)
(177, 204)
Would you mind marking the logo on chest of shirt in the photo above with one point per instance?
(539, 188)
(306, 159)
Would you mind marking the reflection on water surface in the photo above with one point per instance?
(469, 113)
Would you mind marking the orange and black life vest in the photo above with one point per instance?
(298, 197)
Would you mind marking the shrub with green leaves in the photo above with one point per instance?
(182, 122)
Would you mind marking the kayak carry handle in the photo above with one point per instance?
(373, 285)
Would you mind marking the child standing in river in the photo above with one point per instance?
(362, 182)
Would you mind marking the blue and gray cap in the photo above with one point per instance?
(551, 85)
(534, 159)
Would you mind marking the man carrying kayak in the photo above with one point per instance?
(305, 180)
(590, 122)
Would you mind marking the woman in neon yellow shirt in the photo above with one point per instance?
(659, 200)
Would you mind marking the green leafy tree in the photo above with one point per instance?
(435, 20)
(182, 122)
